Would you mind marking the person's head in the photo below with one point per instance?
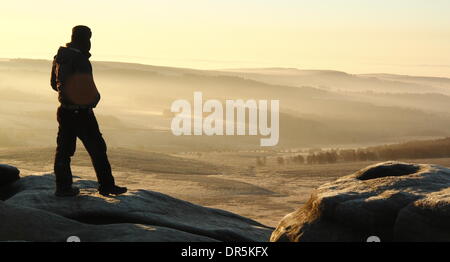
(81, 38)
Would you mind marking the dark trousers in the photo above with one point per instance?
(82, 124)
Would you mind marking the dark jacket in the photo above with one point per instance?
(67, 62)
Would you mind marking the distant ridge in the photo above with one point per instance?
(262, 70)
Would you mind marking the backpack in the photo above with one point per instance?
(73, 87)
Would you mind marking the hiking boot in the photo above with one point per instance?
(114, 190)
(67, 192)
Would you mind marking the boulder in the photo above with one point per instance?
(426, 220)
(33, 213)
(30, 224)
(8, 174)
(392, 200)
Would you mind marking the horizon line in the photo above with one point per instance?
(2, 59)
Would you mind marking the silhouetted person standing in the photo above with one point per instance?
(72, 78)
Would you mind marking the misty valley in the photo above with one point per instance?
(330, 124)
(358, 111)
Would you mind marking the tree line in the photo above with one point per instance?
(438, 148)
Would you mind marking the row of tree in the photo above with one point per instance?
(343, 155)
(438, 148)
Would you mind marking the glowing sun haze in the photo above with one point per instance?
(357, 36)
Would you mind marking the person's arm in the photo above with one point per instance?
(53, 76)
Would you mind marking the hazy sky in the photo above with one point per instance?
(357, 36)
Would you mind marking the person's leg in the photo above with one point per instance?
(95, 145)
(66, 145)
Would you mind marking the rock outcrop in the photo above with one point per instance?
(8, 174)
(392, 200)
(30, 212)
